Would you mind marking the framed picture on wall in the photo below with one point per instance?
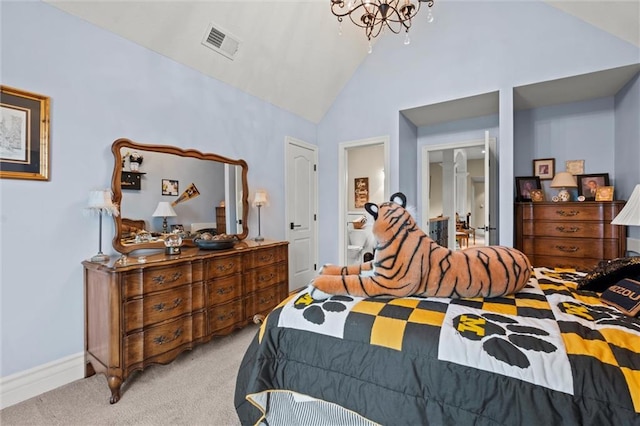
(588, 184)
(24, 134)
(361, 190)
(524, 186)
(544, 168)
(169, 187)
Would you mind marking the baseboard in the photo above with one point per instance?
(38, 380)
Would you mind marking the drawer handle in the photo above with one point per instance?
(160, 307)
(224, 268)
(224, 290)
(568, 213)
(567, 230)
(161, 340)
(572, 249)
(264, 301)
(263, 278)
(227, 316)
(160, 279)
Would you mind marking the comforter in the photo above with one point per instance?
(550, 354)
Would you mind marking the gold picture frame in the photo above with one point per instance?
(537, 195)
(604, 193)
(24, 134)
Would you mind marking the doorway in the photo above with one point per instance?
(377, 175)
(457, 178)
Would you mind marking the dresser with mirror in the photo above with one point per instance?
(150, 305)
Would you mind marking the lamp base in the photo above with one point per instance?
(564, 195)
(259, 238)
(100, 257)
(172, 250)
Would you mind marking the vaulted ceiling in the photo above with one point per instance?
(290, 52)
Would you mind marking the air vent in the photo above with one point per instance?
(221, 41)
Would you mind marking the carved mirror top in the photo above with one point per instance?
(203, 190)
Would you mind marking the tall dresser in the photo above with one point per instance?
(138, 314)
(570, 234)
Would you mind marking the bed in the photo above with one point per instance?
(551, 354)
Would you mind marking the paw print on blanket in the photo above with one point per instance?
(503, 338)
(314, 310)
(600, 314)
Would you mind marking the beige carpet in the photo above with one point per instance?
(196, 389)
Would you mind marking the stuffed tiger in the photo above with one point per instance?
(407, 262)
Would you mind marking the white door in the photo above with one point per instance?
(301, 186)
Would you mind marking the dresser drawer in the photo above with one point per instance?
(566, 247)
(225, 316)
(579, 263)
(600, 211)
(263, 301)
(148, 280)
(564, 229)
(222, 290)
(141, 346)
(267, 276)
(221, 266)
(264, 257)
(162, 306)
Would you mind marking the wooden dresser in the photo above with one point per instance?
(569, 235)
(137, 314)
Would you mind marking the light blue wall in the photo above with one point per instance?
(472, 47)
(576, 131)
(627, 143)
(103, 87)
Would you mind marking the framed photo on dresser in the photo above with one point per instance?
(524, 186)
(588, 184)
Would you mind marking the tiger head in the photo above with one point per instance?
(390, 217)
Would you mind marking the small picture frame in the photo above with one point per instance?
(524, 186)
(169, 187)
(575, 167)
(537, 195)
(588, 184)
(604, 193)
(544, 168)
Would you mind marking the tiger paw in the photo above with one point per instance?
(317, 294)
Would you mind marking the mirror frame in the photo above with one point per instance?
(116, 188)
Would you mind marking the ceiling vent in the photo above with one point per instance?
(221, 41)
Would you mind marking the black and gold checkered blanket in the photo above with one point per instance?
(549, 354)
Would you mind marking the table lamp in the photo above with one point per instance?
(99, 203)
(260, 199)
(564, 180)
(630, 213)
(164, 210)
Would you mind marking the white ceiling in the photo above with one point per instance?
(290, 49)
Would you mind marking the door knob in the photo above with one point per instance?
(294, 226)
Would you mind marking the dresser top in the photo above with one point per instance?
(157, 257)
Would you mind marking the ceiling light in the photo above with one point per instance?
(376, 15)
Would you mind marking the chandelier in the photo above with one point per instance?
(376, 15)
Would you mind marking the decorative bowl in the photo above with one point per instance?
(214, 244)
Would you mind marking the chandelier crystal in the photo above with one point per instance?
(376, 15)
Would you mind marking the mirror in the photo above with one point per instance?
(205, 191)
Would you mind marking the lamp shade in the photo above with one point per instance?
(100, 199)
(564, 180)
(164, 209)
(630, 214)
(261, 198)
